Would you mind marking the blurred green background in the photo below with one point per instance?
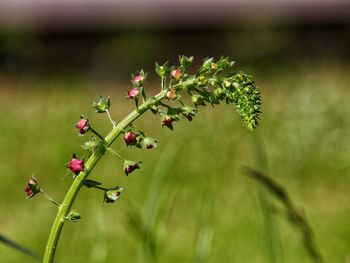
(190, 202)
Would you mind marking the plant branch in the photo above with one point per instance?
(89, 165)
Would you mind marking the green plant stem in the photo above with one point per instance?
(89, 165)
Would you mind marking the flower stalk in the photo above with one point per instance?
(78, 182)
(48, 197)
(204, 87)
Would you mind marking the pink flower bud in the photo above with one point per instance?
(167, 121)
(130, 166)
(171, 94)
(133, 93)
(83, 125)
(138, 79)
(76, 165)
(176, 73)
(32, 187)
(130, 138)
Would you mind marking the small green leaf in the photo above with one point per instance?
(73, 216)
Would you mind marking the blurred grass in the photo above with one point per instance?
(305, 129)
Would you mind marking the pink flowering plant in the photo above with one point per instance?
(214, 82)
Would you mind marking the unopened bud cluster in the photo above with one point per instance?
(211, 84)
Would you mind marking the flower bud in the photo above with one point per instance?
(32, 187)
(76, 165)
(227, 84)
(188, 117)
(188, 112)
(149, 143)
(83, 125)
(198, 100)
(185, 61)
(171, 94)
(167, 121)
(202, 80)
(139, 78)
(133, 93)
(130, 138)
(176, 74)
(214, 66)
(73, 216)
(102, 105)
(219, 93)
(113, 194)
(162, 70)
(130, 166)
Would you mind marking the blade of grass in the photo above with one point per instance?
(271, 233)
(19, 248)
(296, 217)
(205, 232)
(144, 224)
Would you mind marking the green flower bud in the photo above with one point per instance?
(198, 100)
(73, 216)
(185, 61)
(162, 70)
(102, 105)
(113, 194)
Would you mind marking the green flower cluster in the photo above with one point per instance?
(213, 83)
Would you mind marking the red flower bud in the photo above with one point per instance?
(176, 73)
(76, 165)
(130, 166)
(167, 121)
(130, 138)
(189, 117)
(83, 125)
(171, 94)
(133, 93)
(138, 79)
(32, 187)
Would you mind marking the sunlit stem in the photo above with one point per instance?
(163, 84)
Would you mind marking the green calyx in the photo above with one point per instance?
(102, 105)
